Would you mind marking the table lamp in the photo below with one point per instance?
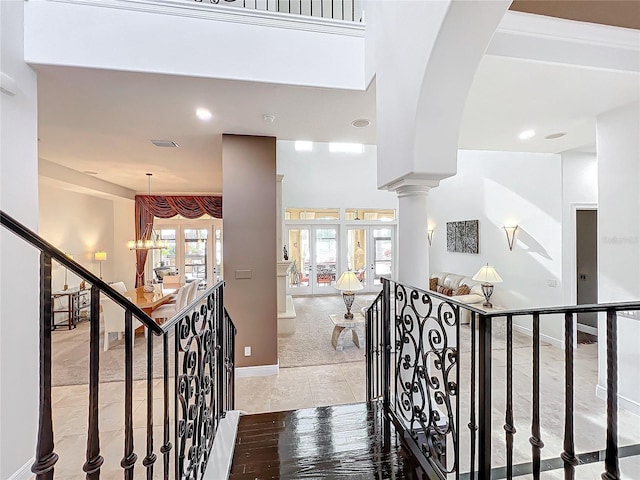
(488, 276)
(100, 257)
(347, 283)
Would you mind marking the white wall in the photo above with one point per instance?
(619, 233)
(81, 224)
(330, 180)
(200, 40)
(18, 262)
(506, 188)
(579, 190)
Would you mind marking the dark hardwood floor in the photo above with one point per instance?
(340, 442)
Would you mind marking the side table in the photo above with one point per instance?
(342, 328)
(71, 303)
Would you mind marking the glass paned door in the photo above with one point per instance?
(313, 251)
(382, 253)
(300, 256)
(165, 261)
(370, 254)
(357, 242)
(195, 255)
(326, 256)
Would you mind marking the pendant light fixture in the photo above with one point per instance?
(152, 243)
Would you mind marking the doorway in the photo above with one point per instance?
(587, 268)
(314, 256)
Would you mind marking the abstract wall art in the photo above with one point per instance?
(462, 237)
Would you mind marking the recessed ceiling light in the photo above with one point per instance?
(269, 117)
(361, 123)
(303, 146)
(346, 147)
(89, 172)
(551, 136)
(165, 143)
(203, 114)
(527, 134)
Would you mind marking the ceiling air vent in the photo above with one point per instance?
(164, 143)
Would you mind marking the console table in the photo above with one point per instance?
(71, 302)
(342, 328)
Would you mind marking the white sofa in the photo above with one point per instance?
(454, 281)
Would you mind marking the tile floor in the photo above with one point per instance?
(343, 383)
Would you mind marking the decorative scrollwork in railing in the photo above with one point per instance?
(196, 366)
(426, 374)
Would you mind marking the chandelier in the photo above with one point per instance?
(153, 243)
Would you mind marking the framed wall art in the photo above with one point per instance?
(462, 237)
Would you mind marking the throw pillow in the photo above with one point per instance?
(445, 291)
(433, 284)
(463, 290)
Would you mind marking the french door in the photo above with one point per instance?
(313, 251)
(194, 251)
(370, 254)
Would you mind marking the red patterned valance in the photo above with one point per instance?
(147, 207)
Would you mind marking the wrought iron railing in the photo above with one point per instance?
(203, 357)
(429, 371)
(348, 10)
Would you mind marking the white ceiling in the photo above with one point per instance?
(103, 121)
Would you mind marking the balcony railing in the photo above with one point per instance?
(348, 10)
(438, 384)
(198, 341)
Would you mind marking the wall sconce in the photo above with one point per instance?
(430, 235)
(100, 257)
(511, 235)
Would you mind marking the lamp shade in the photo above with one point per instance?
(487, 274)
(100, 256)
(348, 282)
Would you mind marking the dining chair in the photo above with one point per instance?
(193, 290)
(171, 280)
(112, 316)
(168, 310)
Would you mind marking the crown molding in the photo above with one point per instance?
(209, 11)
(551, 28)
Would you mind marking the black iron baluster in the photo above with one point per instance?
(509, 428)
(369, 357)
(473, 428)
(535, 440)
(129, 458)
(166, 446)
(94, 461)
(220, 351)
(150, 459)
(611, 465)
(232, 381)
(322, 8)
(386, 329)
(46, 458)
(176, 399)
(569, 454)
(353, 10)
(484, 398)
(342, 8)
(457, 350)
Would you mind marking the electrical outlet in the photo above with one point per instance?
(247, 351)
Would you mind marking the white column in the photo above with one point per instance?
(413, 244)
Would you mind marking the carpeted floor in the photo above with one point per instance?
(70, 357)
(311, 342)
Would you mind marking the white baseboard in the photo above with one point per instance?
(219, 464)
(24, 472)
(587, 329)
(527, 331)
(623, 402)
(257, 371)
